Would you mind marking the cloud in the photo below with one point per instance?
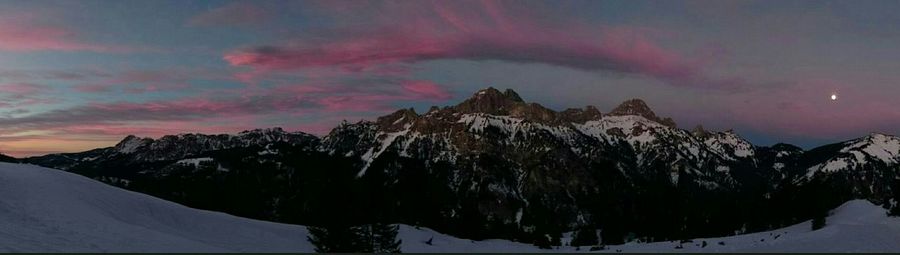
(63, 75)
(252, 102)
(485, 33)
(233, 14)
(24, 33)
(423, 89)
(21, 89)
(147, 81)
(24, 94)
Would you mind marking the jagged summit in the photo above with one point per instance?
(633, 107)
(263, 131)
(130, 143)
(638, 107)
(491, 101)
(491, 92)
(574, 115)
(398, 119)
(507, 103)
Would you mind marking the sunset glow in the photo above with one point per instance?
(77, 75)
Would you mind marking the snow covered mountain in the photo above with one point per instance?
(497, 166)
(44, 210)
(876, 154)
(175, 147)
(521, 162)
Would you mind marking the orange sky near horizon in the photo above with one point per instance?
(40, 146)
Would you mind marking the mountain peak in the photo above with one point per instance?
(493, 93)
(263, 131)
(633, 107)
(491, 101)
(637, 107)
(130, 144)
(398, 120)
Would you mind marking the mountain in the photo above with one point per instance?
(496, 166)
(173, 147)
(45, 210)
(868, 161)
(522, 164)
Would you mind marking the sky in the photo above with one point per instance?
(79, 74)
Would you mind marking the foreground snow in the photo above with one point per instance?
(45, 210)
(855, 226)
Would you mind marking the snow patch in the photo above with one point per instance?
(386, 140)
(193, 161)
(778, 166)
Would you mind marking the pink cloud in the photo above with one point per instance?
(483, 32)
(253, 101)
(36, 38)
(25, 94)
(423, 89)
(21, 89)
(354, 102)
(25, 33)
(156, 87)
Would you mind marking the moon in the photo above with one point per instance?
(833, 97)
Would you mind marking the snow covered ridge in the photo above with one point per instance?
(46, 210)
(651, 137)
(633, 122)
(172, 147)
(876, 152)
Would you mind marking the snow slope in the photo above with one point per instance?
(855, 226)
(46, 210)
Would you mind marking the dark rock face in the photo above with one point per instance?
(579, 116)
(491, 101)
(639, 108)
(495, 166)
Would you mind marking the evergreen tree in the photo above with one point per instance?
(385, 238)
(894, 203)
(585, 237)
(818, 220)
(612, 234)
(542, 240)
(819, 203)
(556, 239)
(337, 239)
(371, 238)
